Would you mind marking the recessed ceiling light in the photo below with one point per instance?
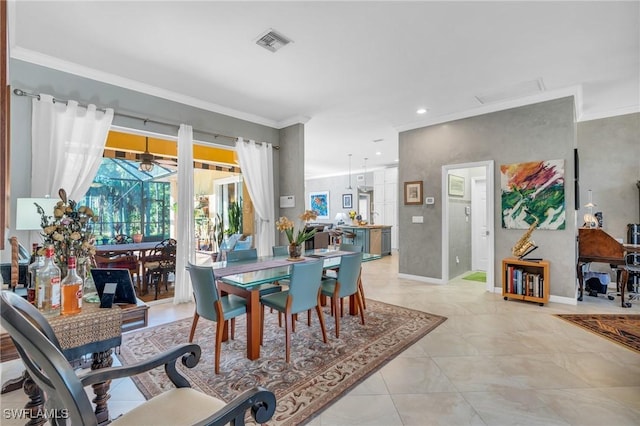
(421, 111)
(378, 153)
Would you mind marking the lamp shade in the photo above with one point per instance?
(27, 216)
(340, 217)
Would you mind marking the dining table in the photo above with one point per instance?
(244, 279)
(141, 249)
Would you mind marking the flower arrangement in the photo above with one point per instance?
(287, 226)
(69, 230)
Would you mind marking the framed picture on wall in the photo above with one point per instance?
(347, 201)
(456, 186)
(319, 203)
(413, 193)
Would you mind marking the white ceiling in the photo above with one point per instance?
(356, 71)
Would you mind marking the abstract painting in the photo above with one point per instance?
(319, 203)
(533, 190)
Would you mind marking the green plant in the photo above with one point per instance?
(235, 218)
(218, 231)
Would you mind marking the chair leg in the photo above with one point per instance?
(309, 317)
(288, 322)
(233, 328)
(361, 291)
(321, 319)
(193, 326)
(360, 306)
(220, 325)
(335, 300)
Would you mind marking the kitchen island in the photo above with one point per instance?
(375, 239)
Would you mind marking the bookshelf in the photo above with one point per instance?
(525, 280)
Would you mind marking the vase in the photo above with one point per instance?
(295, 251)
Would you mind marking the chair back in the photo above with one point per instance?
(351, 247)
(121, 239)
(348, 274)
(205, 291)
(304, 285)
(280, 250)
(239, 255)
(40, 353)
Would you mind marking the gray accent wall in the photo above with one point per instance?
(542, 131)
(291, 172)
(609, 151)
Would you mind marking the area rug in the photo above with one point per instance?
(479, 276)
(622, 329)
(318, 373)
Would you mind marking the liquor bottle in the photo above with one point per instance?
(48, 285)
(32, 270)
(71, 287)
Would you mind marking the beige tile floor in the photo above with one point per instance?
(493, 362)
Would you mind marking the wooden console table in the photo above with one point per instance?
(94, 330)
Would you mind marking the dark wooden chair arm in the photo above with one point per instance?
(259, 400)
(190, 356)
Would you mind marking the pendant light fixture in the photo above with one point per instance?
(349, 187)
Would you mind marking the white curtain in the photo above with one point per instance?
(256, 162)
(185, 229)
(67, 142)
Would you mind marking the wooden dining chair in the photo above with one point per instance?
(302, 295)
(210, 305)
(344, 285)
(159, 264)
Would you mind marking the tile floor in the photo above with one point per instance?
(493, 362)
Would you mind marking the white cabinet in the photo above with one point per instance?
(385, 201)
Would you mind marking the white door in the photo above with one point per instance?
(479, 231)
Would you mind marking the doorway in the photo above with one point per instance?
(467, 220)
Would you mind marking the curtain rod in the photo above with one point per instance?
(20, 92)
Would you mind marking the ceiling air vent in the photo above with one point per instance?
(514, 91)
(272, 40)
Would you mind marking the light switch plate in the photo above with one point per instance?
(430, 200)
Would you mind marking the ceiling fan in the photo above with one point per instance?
(148, 160)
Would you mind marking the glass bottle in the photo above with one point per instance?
(37, 263)
(71, 288)
(48, 285)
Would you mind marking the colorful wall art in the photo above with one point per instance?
(533, 190)
(319, 202)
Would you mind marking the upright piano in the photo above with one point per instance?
(595, 245)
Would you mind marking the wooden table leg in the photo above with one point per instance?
(101, 390)
(253, 325)
(35, 406)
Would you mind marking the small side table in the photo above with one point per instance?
(94, 330)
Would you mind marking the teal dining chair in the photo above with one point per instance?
(210, 305)
(240, 255)
(252, 254)
(280, 250)
(345, 284)
(303, 295)
(354, 248)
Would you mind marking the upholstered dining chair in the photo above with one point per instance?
(303, 295)
(280, 250)
(36, 343)
(345, 284)
(240, 255)
(354, 248)
(210, 305)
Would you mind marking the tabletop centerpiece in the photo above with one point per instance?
(297, 239)
(70, 231)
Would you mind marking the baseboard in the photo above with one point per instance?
(421, 279)
(563, 300)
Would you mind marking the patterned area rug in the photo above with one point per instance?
(318, 374)
(622, 329)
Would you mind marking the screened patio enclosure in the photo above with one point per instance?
(130, 201)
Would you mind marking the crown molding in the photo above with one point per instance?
(37, 58)
(610, 113)
(297, 119)
(574, 91)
